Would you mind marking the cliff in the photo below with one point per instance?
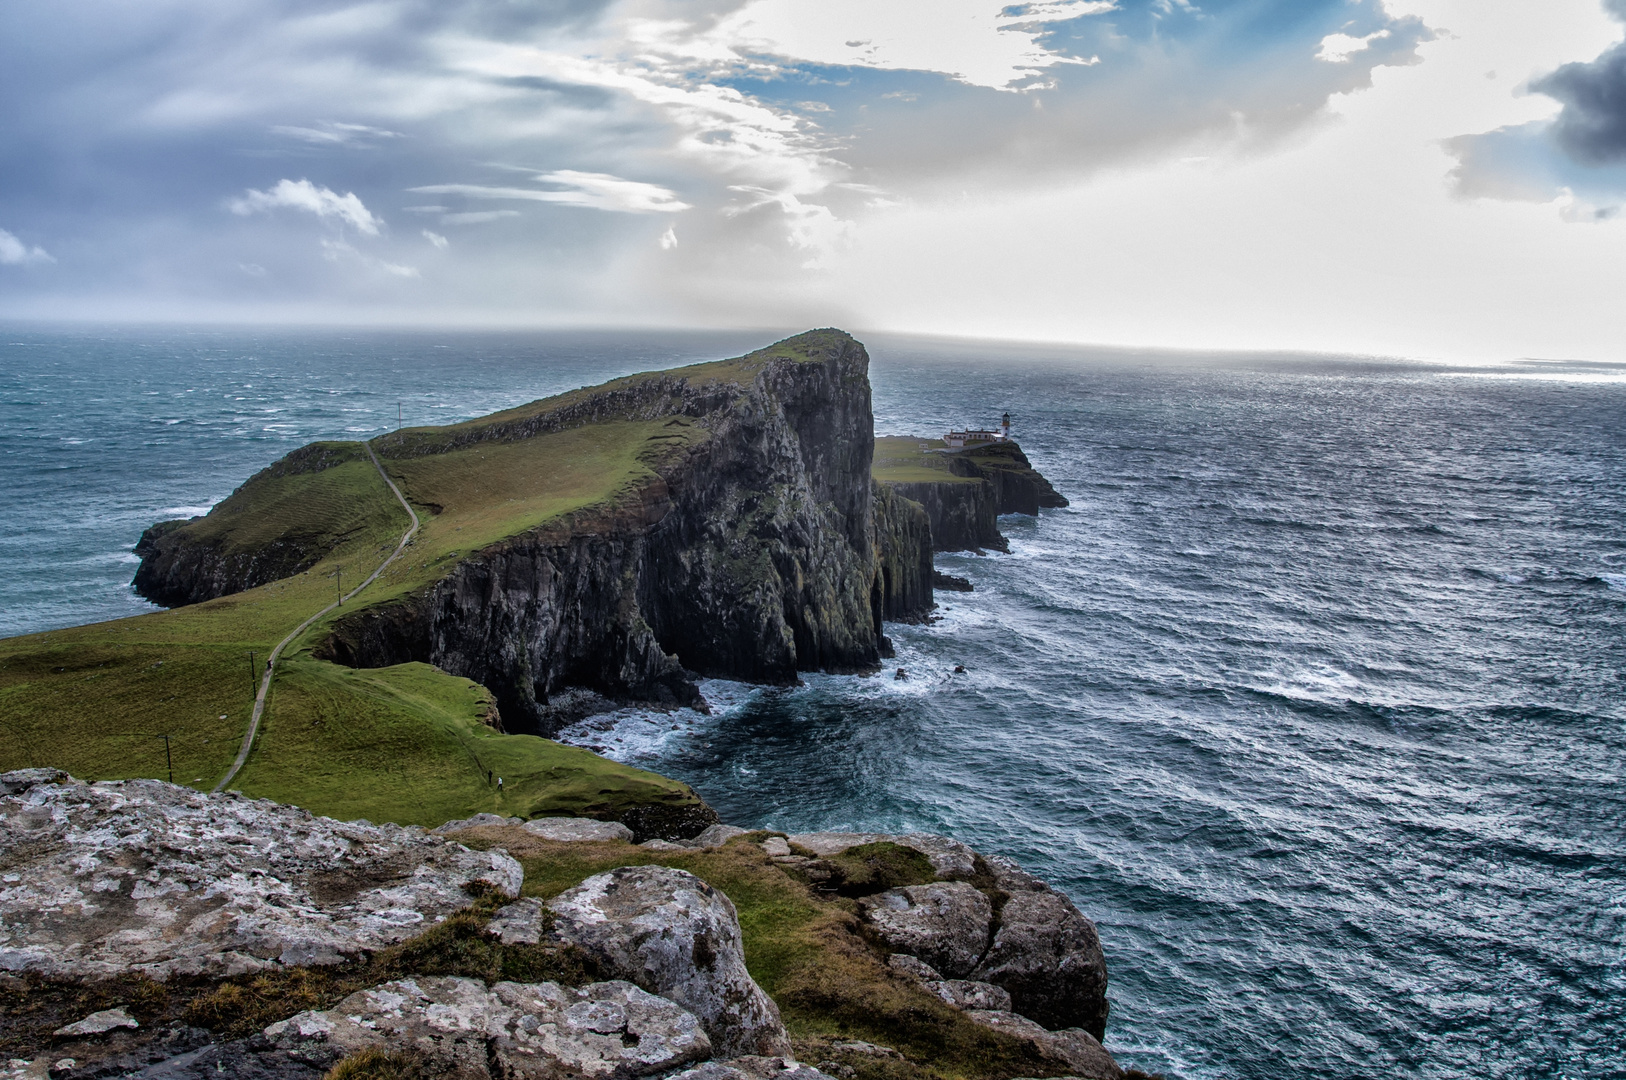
(716, 520)
(963, 492)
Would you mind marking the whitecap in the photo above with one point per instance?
(1614, 581)
(186, 511)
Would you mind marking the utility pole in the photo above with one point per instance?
(253, 674)
(338, 581)
(169, 762)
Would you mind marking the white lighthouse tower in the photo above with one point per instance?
(1005, 425)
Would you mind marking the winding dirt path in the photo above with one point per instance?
(271, 663)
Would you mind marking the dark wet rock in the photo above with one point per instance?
(674, 935)
(951, 583)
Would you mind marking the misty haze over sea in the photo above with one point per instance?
(1313, 698)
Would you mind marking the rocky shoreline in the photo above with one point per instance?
(151, 888)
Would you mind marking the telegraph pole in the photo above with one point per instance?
(169, 762)
(338, 581)
(253, 674)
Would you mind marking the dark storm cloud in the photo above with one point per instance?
(1592, 127)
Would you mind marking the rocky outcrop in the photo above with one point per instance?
(674, 935)
(985, 920)
(143, 876)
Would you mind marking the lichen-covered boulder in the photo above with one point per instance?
(946, 923)
(674, 935)
(143, 876)
(1046, 954)
(510, 1031)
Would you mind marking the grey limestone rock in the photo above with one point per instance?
(968, 994)
(1046, 954)
(1080, 1050)
(915, 968)
(714, 836)
(571, 829)
(776, 847)
(144, 876)
(676, 936)
(946, 923)
(475, 822)
(520, 923)
(511, 1031)
(663, 845)
(99, 1023)
(834, 843)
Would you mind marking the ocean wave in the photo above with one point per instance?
(1616, 582)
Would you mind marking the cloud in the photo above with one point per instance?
(13, 252)
(477, 217)
(669, 238)
(1592, 126)
(306, 196)
(339, 250)
(329, 133)
(596, 191)
(438, 240)
(1338, 48)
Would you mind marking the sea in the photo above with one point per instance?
(1314, 698)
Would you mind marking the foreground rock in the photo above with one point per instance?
(1083, 1053)
(1036, 946)
(143, 876)
(608, 1030)
(674, 935)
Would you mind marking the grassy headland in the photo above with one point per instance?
(406, 743)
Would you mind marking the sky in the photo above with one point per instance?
(1418, 178)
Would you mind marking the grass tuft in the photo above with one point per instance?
(372, 1063)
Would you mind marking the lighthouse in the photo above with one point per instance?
(1005, 425)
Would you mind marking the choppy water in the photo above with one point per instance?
(1313, 698)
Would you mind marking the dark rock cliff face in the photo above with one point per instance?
(964, 516)
(759, 551)
(903, 554)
